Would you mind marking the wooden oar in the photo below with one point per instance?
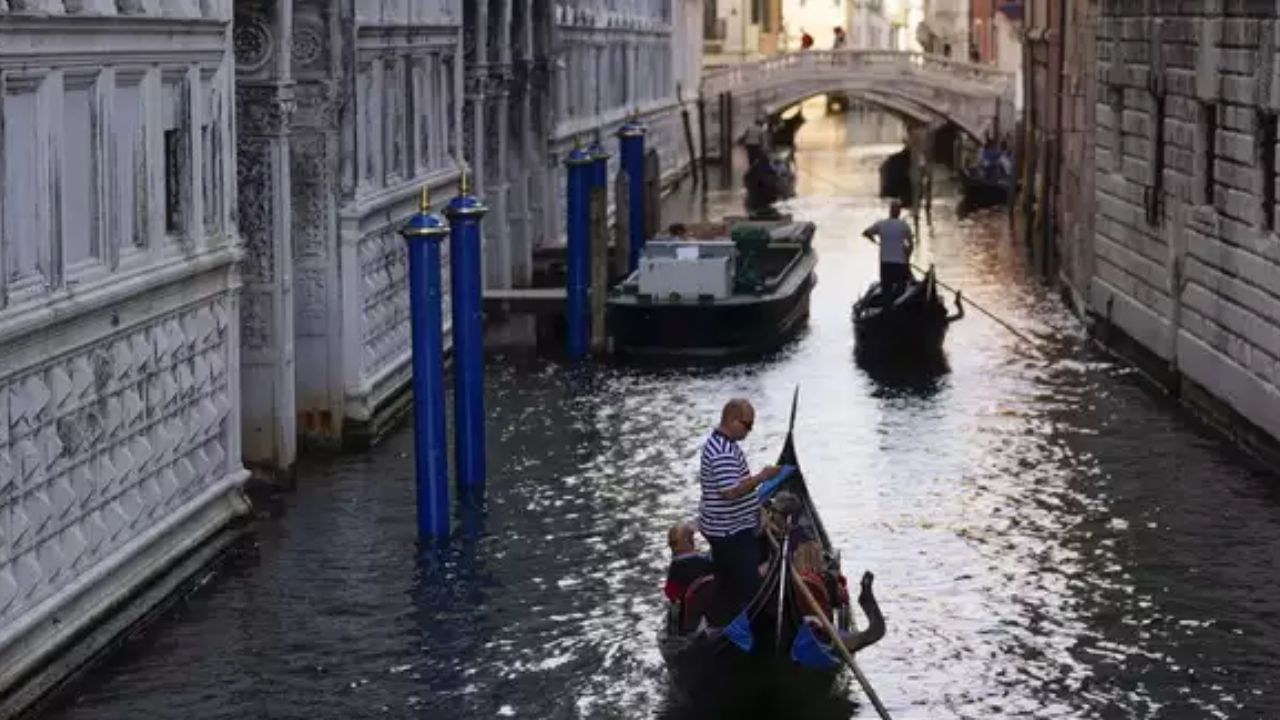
(835, 637)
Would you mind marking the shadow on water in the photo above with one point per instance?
(922, 377)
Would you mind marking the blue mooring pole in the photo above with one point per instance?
(578, 253)
(631, 138)
(465, 212)
(424, 232)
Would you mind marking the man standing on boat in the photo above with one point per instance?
(896, 247)
(728, 514)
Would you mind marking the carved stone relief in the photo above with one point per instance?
(385, 300)
(253, 179)
(264, 109)
(311, 171)
(99, 445)
(253, 43)
(255, 319)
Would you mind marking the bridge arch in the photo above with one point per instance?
(977, 99)
(902, 105)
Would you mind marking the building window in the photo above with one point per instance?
(1267, 151)
(173, 165)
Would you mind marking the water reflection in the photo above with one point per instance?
(919, 376)
(1049, 539)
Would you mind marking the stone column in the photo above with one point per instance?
(522, 229)
(475, 41)
(264, 105)
(498, 254)
(318, 69)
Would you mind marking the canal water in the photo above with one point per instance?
(1049, 538)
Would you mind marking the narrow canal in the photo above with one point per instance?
(1049, 538)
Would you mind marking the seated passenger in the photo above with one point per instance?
(811, 565)
(687, 563)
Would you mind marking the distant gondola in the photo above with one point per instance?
(982, 189)
(912, 325)
(783, 131)
(761, 657)
(895, 177)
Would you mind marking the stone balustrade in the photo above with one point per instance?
(977, 98)
(790, 67)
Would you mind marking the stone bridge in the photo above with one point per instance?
(923, 89)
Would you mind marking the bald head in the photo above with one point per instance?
(737, 418)
(895, 208)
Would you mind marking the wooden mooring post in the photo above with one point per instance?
(599, 232)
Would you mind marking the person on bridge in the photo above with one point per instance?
(896, 247)
(728, 512)
(840, 38)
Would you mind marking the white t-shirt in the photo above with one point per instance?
(893, 234)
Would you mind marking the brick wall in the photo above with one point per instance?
(1186, 255)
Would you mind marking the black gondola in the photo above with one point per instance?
(895, 177)
(912, 325)
(981, 188)
(783, 132)
(780, 668)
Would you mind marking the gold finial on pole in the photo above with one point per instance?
(425, 204)
(464, 183)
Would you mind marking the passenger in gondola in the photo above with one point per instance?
(810, 563)
(728, 512)
(896, 247)
(687, 562)
(1006, 159)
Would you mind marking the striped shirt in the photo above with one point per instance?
(724, 466)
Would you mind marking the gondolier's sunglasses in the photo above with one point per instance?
(746, 424)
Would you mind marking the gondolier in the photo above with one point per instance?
(895, 249)
(728, 514)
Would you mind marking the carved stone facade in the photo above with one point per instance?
(613, 60)
(199, 250)
(120, 444)
(379, 118)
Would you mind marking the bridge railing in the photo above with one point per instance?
(788, 67)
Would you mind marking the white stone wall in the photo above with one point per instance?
(1187, 261)
(949, 19)
(406, 126)
(611, 63)
(119, 340)
(867, 25)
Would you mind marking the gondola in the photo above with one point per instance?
(981, 189)
(910, 326)
(895, 177)
(766, 659)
